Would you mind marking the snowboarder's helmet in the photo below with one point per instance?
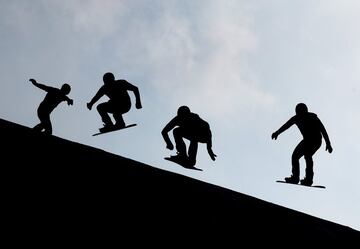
(65, 89)
(301, 108)
(183, 110)
(108, 78)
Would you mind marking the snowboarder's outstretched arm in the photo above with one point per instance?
(41, 86)
(136, 92)
(326, 137)
(97, 96)
(171, 125)
(283, 128)
(69, 101)
(209, 149)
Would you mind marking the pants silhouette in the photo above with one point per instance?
(45, 123)
(179, 134)
(110, 107)
(306, 149)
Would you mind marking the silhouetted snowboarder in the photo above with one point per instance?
(52, 99)
(119, 101)
(312, 130)
(190, 126)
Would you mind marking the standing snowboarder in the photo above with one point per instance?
(312, 130)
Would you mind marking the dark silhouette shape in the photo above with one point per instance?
(119, 101)
(311, 186)
(76, 194)
(52, 99)
(114, 129)
(183, 163)
(312, 130)
(192, 127)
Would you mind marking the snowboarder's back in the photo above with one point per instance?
(309, 125)
(117, 91)
(52, 99)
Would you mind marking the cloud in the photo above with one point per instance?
(192, 53)
(197, 54)
(98, 18)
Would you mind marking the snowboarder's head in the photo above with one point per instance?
(183, 111)
(108, 78)
(65, 89)
(301, 108)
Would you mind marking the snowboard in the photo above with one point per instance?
(312, 186)
(175, 160)
(115, 129)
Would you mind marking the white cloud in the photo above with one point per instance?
(191, 52)
(198, 58)
(95, 17)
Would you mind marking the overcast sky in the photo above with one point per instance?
(240, 65)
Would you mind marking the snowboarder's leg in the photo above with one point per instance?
(179, 142)
(297, 154)
(309, 172)
(103, 110)
(45, 123)
(192, 152)
(39, 127)
(311, 148)
(118, 110)
(119, 121)
(47, 126)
